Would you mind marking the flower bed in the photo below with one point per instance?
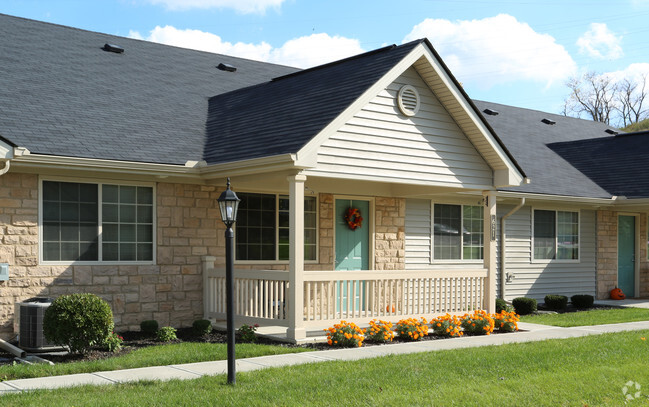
(479, 322)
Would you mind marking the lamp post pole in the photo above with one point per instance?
(229, 289)
(229, 204)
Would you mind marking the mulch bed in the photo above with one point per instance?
(136, 340)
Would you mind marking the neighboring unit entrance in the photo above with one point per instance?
(352, 246)
(626, 254)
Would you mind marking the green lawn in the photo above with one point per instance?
(585, 318)
(162, 355)
(570, 372)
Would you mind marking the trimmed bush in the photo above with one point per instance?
(524, 305)
(501, 305)
(78, 321)
(556, 302)
(149, 327)
(166, 334)
(582, 301)
(202, 326)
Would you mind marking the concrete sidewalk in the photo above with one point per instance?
(530, 333)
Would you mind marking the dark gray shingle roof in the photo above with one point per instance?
(60, 94)
(527, 138)
(617, 164)
(281, 116)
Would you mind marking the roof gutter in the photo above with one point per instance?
(556, 198)
(198, 170)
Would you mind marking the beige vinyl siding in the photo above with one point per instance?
(419, 238)
(536, 279)
(380, 143)
(418, 233)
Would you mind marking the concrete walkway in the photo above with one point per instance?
(530, 333)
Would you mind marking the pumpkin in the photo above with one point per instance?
(617, 294)
(387, 309)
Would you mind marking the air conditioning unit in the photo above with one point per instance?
(30, 315)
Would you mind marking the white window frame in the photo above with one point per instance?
(432, 236)
(99, 183)
(556, 228)
(276, 261)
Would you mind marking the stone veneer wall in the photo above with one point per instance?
(170, 291)
(390, 233)
(607, 254)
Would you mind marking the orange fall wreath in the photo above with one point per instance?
(353, 218)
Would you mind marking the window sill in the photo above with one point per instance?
(97, 263)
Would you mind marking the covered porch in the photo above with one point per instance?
(301, 296)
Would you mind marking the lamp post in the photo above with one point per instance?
(229, 204)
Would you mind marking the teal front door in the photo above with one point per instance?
(626, 254)
(352, 250)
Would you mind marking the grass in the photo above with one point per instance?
(569, 372)
(162, 355)
(639, 126)
(593, 317)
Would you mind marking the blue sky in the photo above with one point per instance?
(517, 52)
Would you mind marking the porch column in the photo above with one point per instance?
(490, 249)
(296, 328)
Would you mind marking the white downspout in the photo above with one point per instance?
(503, 269)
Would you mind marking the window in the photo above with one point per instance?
(97, 222)
(458, 232)
(262, 228)
(556, 235)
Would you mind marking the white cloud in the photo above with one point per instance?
(315, 49)
(633, 72)
(496, 50)
(204, 41)
(600, 42)
(302, 52)
(242, 6)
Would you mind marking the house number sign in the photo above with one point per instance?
(493, 228)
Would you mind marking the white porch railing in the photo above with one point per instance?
(261, 296)
(360, 296)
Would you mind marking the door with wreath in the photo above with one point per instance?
(352, 247)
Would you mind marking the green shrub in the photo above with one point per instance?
(247, 333)
(556, 302)
(501, 305)
(582, 301)
(149, 327)
(79, 321)
(524, 305)
(202, 326)
(114, 342)
(166, 334)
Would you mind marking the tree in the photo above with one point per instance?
(592, 94)
(630, 97)
(602, 98)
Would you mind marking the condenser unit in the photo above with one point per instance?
(30, 315)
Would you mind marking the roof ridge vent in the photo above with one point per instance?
(611, 131)
(227, 67)
(548, 121)
(490, 112)
(113, 48)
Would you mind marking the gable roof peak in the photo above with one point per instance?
(348, 59)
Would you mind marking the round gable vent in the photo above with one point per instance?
(408, 100)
